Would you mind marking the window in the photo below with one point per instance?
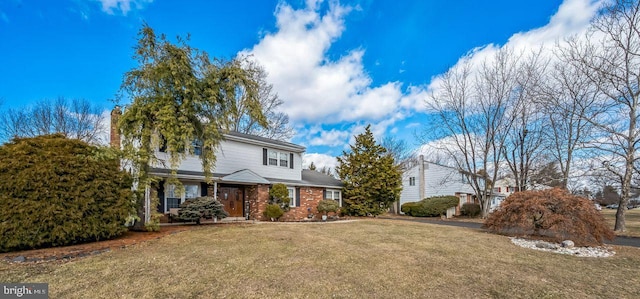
(333, 194)
(173, 198)
(292, 197)
(412, 181)
(197, 147)
(282, 159)
(273, 158)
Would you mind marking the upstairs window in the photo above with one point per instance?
(412, 181)
(277, 158)
(284, 160)
(273, 158)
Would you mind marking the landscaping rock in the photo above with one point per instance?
(546, 245)
(19, 259)
(567, 244)
(602, 251)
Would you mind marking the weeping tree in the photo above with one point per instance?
(178, 96)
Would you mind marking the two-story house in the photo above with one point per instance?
(426, 179)
(245, 169)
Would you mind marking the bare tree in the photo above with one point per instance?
(475, 112)
(567, 99)
(75, 119)
(610, 59)
(523, 148)
(399, 150)
(242, 121)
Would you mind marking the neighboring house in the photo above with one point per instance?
(246, 167)
(426, 179)
(504, 187)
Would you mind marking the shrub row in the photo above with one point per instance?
(430, 207)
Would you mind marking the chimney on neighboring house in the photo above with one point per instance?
(114, 139)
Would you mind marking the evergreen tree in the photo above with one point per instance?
(312, 166)
(372, 180)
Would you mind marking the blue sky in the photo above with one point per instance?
(338, 66)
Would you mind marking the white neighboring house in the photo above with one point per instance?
(426, 179)
(505, 187)
(502, 188)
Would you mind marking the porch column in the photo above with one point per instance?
(215, 190)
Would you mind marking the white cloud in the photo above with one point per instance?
(314, 87)
(330, 138)
(319, 160)
(124, 6)
(572, 18)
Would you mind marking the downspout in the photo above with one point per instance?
(421, 177)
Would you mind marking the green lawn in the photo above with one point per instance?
(362, 259)
(632, 221)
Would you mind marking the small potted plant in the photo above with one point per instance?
(327, 205)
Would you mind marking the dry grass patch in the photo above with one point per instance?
(362, 259)
(632, 221)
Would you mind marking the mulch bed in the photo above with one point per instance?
(80, 250)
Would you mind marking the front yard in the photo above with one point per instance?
(361, 259)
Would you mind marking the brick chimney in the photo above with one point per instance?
(114, 139)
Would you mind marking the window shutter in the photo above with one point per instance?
(203, 189)
(291, 161)
(161, 196)
(297, 196)
(264, 156)
(324, 193)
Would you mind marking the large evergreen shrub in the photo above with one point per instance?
(430, 207)
(550, 214)
(56, 191)
(372, 180)
(201, 207)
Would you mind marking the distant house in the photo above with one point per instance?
(506, 186)
(426, 179)
(246, 167)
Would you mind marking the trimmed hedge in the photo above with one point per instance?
(56, 191)
(470, 209)
(430, 207)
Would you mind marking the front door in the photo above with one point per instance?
(231, 198)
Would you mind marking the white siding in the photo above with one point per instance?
(410, 193)
(441, 180)
(438, 181)
(233, 156)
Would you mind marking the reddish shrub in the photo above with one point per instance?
(553, 214)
